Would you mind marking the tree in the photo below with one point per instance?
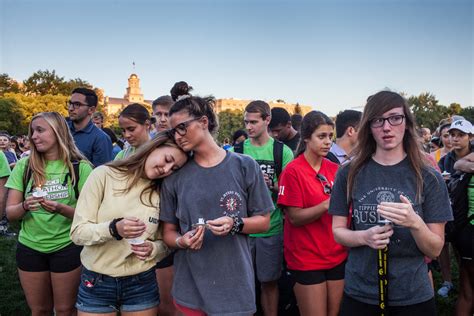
(7, 84)
(229, 122)
(468, 113)
(427, 111)
(454, 109)
(32, 105)
(43, 82)
(67, 87)
(11, 118)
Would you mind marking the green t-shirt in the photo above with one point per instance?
(124, 153)
(470, 195)
(42, 230)
(264, 157)
(4, 167)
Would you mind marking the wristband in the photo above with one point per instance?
(23, 205)
(113, 228)
(238, 224)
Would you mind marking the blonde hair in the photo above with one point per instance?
(67, 150)
(132, 168)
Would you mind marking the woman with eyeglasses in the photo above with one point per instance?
(315, 261)
(43, 193)
(135, 122)
(397, 206)
(117, 222)
(208, 208)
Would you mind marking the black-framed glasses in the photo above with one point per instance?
(75, 105)
(182, 128)
(393, 120)
(325, 183)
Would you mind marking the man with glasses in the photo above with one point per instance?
(91, 141)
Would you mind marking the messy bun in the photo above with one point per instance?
(195, 106)
(180, 88)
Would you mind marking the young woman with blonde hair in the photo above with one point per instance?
(43, 195)
(116, 221)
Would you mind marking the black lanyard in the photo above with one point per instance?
(382, 267)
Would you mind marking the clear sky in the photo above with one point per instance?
(330, 54)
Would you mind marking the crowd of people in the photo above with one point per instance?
(293, 215)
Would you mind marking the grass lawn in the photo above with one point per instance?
(12, 300)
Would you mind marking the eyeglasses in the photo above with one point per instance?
(75, 105)
(182, 128)
(325, 183)
(393, 120)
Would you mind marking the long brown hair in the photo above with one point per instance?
(67, 150)
(132, 168)
(311, 122)
(378, 104)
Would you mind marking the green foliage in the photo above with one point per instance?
(468, 113)
(27, 106)
(427, 111)
(454, 109)
(7, 84)
(12, 299)
(45, 82)
(11, 118)
(229, 122)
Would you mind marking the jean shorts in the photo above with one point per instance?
(100, 293)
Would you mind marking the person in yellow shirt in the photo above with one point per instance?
(117, 222)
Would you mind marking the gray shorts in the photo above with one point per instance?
(267, 254)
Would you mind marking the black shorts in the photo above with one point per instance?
(165, 262)
(463, 242)
(318, 276)
(352, 307)
(63, 260)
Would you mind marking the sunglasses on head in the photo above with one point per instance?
(325, 183)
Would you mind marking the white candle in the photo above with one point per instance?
(39, 192)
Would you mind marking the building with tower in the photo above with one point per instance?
(134, 94)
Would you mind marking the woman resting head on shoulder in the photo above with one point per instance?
(117, 222)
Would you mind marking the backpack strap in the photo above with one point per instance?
(75, 166)
(26, 178)
(239, 148)
(278, 157)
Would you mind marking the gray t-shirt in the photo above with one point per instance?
(408, 274)
(217, 279)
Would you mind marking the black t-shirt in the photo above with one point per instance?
(293, 143)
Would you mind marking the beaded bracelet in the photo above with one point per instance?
(24, 208)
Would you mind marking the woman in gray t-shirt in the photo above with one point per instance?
(397, 201)
(208, 210)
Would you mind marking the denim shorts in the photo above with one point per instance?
(100, 293)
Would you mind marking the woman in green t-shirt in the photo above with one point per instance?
(43, 194)
(135, 122)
